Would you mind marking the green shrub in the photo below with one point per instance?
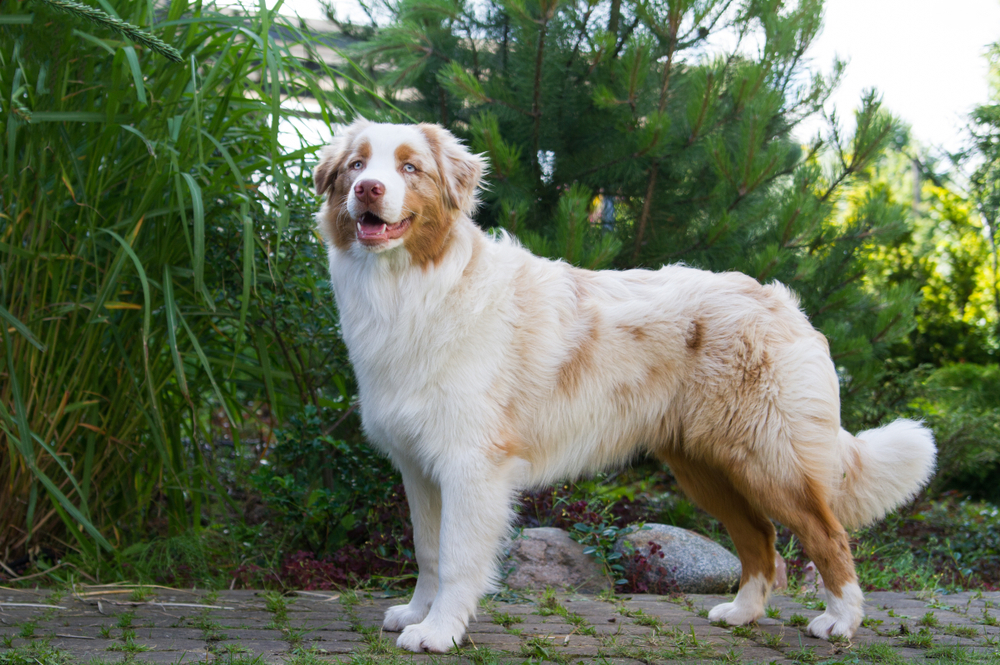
(319, 487)
(962, 405)
(149, 217)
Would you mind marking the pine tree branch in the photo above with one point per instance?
(108, 21)
(624, 38)
(674, 20)
(882, 333)
(579, 38)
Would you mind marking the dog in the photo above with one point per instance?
(483, 369)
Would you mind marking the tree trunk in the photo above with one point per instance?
(616, 12)
(536, 103)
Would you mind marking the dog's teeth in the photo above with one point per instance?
(359, 227)
(383, 229)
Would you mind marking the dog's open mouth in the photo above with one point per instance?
(372, 229)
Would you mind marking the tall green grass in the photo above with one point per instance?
(148, 218)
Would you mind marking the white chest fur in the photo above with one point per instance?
(424, 345)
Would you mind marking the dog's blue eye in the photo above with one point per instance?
(410, 168)
(356, 165)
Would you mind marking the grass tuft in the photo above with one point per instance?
(879, 652)
(36, 653)
(922, 639)
(797, 620)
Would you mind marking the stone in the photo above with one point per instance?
(780, 573)
(684, 561)
(812, 581)
(547, 556)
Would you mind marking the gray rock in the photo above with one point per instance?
(690, 562)
(549, 557)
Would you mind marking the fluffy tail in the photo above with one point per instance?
(882, 468)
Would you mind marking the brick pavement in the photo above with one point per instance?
(156, 625)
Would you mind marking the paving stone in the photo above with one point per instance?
(166, 633)
(339, 636)
(484, 627)
(577, 652)
(911, 605)
(498, 640)
(256, 646)
(72, 621)
(320, 624)
(244, 634)
(375, 616)
(87, 655)
(325, 629)
(72, 645)
(757, 654)
(171, 657)
(334, 647)
(520, 608)
(171, 644)
(252, 624)
(621, 628)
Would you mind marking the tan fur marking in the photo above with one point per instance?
(405, 154)
(857, 467)
(473, 264)
(804, 510)
(572, 371)
(433, 216)
(807, 513)
(325, 174)
(833, 557)
(341, 225)
(511, 447)
(331, 176)
(363, 150)
(458, 171)
(429, 236)
(638, 333)
(694, 335)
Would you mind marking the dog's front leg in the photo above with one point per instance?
(424, 498)
(475, 515)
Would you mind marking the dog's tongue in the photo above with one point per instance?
(371, 227)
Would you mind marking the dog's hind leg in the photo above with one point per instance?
(750, 529)
(424, 498)
(476, 511)
(807, 513)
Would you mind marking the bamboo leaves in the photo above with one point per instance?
(16, 324)
(115, 24)
(124, 179)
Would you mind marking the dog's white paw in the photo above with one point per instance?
(734, 614)
(843, 614)
(826, 626)
(747, 607)
(427, 636)
(399, 617)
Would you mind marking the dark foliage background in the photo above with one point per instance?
(160, 268)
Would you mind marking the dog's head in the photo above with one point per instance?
(396, 185)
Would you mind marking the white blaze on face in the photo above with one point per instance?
(382, 167)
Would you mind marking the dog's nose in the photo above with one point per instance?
(368, 191)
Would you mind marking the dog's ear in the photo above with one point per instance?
(331, 158)
(325, 173)
(460, 170)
